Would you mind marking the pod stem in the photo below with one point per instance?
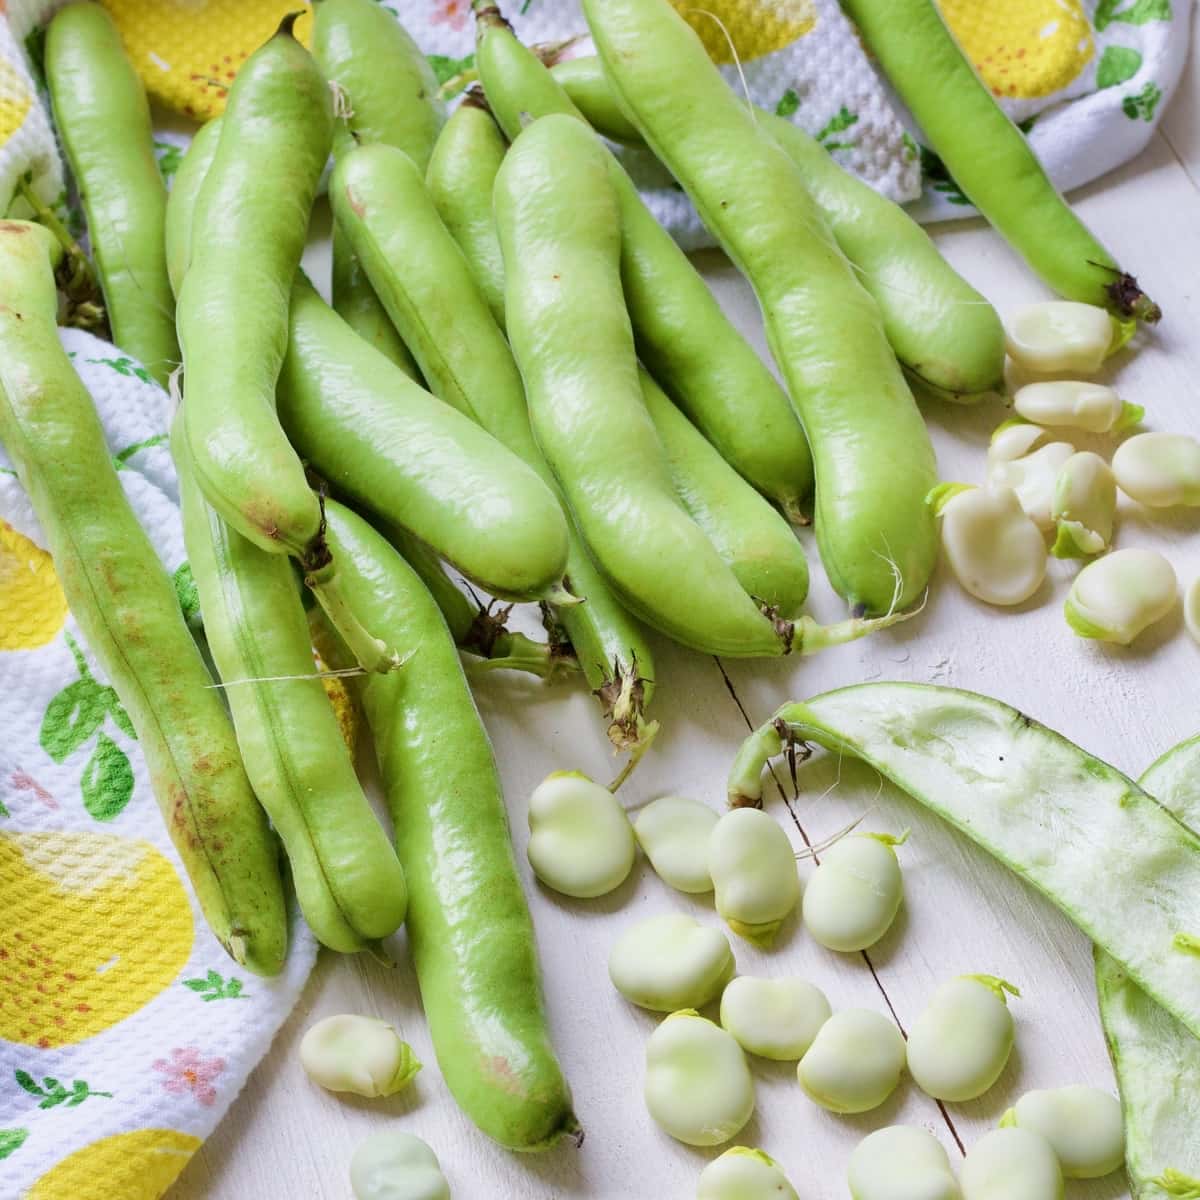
(810, 637)
(369, 652)
(1130, 301)
(623, 697)
(488, 16)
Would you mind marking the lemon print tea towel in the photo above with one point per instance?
(125, 1031)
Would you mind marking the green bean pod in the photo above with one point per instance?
(469, 931)
(348, 880)
(874, 460)
(461, 173)
(989, 157)
(181, 201)
(946, 335)
(103, 122)
(384, 441)
(610, 646)
(683, 337)
(755, 542)
(559, 229)
(128, 611)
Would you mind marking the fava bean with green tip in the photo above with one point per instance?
(1121, 595)
(744, 1174)
(854, 1062)
(1082, 1124)
(673, 833)
(127, 610)
(348, 881)
(1033, 479)
(900, 1162)
(959, 1045)
(683, 337)
(989, 157)
(774, 1018)
(1159, 470)
(468, 926)
(393, 1165)
(1011, 1164)
(1090, 406)
(103, 124)
(384, 441)
(854, 894)
(670, 962)
(363, 1055)
(1084, 506)
(754, 874)
(873, 458)
(1060, 336)
(698, 1086)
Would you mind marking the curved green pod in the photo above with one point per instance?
(128, 611)
(558, 221)
(469, 932)
(348, 880)
(103, 123)
(754, 541)
(989, 157)
(583, 80)
(872, 454)
(181, 202)
(383, 440)
(683, 337)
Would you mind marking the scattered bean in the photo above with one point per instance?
(901, 1163)
(960, 1043)
(1033, 478)
(1082, 1124)
(698, 1086)
(1085, 503)
(1160, 470)
(1118, 596)
(1011, 1164)
(670, 962)
(673, 831)
(754, 873)
(854, 895)
(356, 1054)
(1058, 336)
(1090, 406)
(580, 840)
(744, 1174)
(995, 551)
(854, 1063)
(1013, 439)
(774, 1018)
(392, 1165)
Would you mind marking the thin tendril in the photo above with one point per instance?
(340, 673)
(737, 61)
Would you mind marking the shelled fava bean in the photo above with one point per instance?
(901, 1163)
(670, 962)
(363, 1055)
(853, 896)
(854, 1062)
(674, 832)
(754, 873)
(1082, 1124)
(774, 1018)
(1011, 1164)
(744, 1174)
(1118, 596)
(392, 1165)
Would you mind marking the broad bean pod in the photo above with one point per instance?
(989, 157)
(103, 123)
(873, 458)
(469, 932)
(127, 610)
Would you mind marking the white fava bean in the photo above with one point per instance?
(580, 840)
(1013, 439)
(1011, 1164)
(363, 1055)
(1059, 335)
(853, 896)
(1191, 609)
(1160, 470)
(670, 962)
(774, 1018)
(698, 1086)
(1085, 503)
(744, 1174)
(901, 1162)
(1082, 1124)
(1033, 478)
(959, 1045)
(1066, 402)
(854, 1063)
(995, 551)
(391, 1165)
(673, 831)
(1116, 597)
(754, 873)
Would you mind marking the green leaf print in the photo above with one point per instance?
(52, 1094)
(169, 157)
(186, 594)
(1117, 65)
(215, 987)
(938, 178)
(122, 457)
(123, 366)
(72, 717)
(107, 782)
(1140, 12)
(788, 103)
(11, 1140)
(1142, 105)
(35, 52)
(446, 68)
(842, 120)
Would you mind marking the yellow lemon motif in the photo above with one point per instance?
(751, 27)
(14, 99)
(188, 51)
(140, 1165)
(1023, 48)
(95, 926)
(32, 605)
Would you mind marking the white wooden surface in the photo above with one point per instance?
(286, 1138)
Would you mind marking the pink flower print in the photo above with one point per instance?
(452, 13)
(189, 1071)
(23, 782)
